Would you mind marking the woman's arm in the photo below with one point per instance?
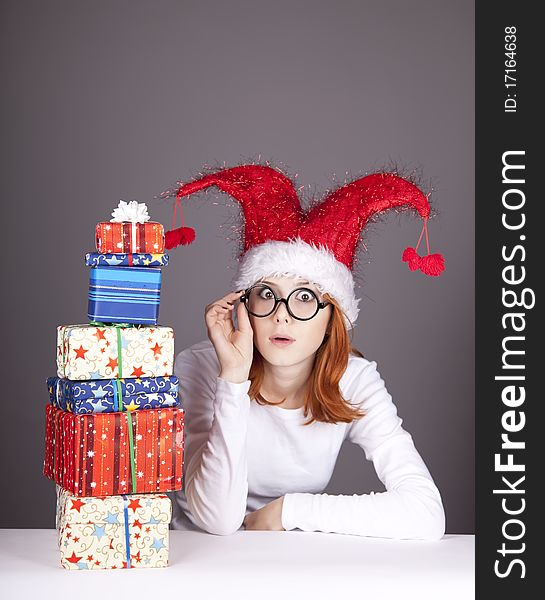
(411, 506)
(215, 477)
(214, 389)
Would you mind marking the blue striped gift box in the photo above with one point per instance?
(124, 295)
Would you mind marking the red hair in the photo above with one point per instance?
(323, 399)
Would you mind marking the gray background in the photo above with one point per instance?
(104, 101)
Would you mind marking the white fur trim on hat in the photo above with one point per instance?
(297, 258)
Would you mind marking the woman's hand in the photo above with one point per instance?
(268, 518)
(234, 347)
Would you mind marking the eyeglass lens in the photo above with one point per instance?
(302, 302)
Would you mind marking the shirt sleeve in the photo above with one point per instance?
(411, 506)
(215, 465)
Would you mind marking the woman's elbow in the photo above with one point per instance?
(424, 516)
(222, 527)
(214, 520)
(434, 529)
(431, 523)
(217, 524)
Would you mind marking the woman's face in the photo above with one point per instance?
(307, 335)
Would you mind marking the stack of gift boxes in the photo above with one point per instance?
(114, 428)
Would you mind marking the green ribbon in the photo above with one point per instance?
(119, 356)
(119, 395)
(131, 450)
(118, 327)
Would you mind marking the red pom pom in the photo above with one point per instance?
(410, 255)
(433, 264)
(177, 237)
(188, 235)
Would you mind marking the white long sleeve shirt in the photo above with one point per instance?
(240, 455)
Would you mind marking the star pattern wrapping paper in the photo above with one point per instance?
(115, 532)
(115, 453)
(92, 352)
(105, 395)
(126, 237)
(96, 259)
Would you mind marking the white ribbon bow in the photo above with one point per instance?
(133, 212)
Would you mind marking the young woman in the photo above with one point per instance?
(271, 396)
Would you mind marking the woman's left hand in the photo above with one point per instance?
(267, 518)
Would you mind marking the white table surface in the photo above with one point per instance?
(249, 564)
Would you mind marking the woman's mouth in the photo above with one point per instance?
(281, 340)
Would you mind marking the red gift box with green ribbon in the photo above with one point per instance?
(106, 454)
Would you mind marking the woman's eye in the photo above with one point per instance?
(266, 293)
(304, 297)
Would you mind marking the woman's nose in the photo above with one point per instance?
(281, 312)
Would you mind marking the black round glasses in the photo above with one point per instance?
(302, 303)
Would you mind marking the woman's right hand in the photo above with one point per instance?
(234, 347)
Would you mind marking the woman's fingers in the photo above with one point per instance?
(244, 324)
(222, 309)
(220, 317)
(233, 346)
(225, 301)
(230, 297)
(213, 309)
(219, 313)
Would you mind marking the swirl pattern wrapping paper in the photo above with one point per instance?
(114, 532)
(93, 351)
(96, 259)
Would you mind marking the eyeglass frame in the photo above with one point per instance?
(277, 301)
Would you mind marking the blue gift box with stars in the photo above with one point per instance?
(113, 395)
(96, 259)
